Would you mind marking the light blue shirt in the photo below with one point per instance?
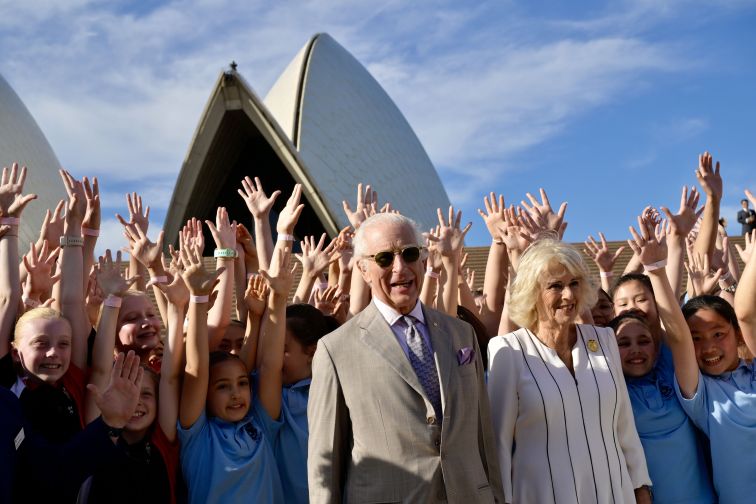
(674, 448)
(231, 462)
(395, 321)
(290, 447)
(724, 408)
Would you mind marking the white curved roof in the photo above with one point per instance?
(348, 130)
(21, 140)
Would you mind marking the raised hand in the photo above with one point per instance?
(191, 234)
(451, 238)
(542, 213)
(601, 254)
(12, 202)
(703, 279)
(176, 292)
(109, 277)
(314, 258)
(513, 234)
(280, 275)
(137, 213)
(256, 295)
(708, 177)
(650, 245)
(223, 231)
(289, 216)
(52, 225)
(119, 399)
(494, 214)
(39, 266)
(244, 238)
(750, 245)
(92, 195)
(327, 299)
(365, 199)
(140, 246)
(197, 278)
(258, 203)
(682, 222)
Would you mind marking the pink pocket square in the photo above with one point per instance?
(465, 355)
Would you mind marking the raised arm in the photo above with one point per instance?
(177, 295)
(653, 255)
(314, 259)
(39, 266)
(150, 256)
(450, 242)
(603, 258)
(678, 227)
(12, 203)
(259, 206)
(224, 234)
(90, 225)
(273, 332)
(197, 368)
(745, 295)
(113, 286)
(139, 215)
(711, 183)
(255, 299)
(497, 264)
(72, 304)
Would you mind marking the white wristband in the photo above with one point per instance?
(30, 302)
(432, 274)
(112, 301)
(158, 280)
(606, 274)
(199, 299)
(90, 232)
(655, 266)
(285, 237)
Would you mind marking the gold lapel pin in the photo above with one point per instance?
(593, 345)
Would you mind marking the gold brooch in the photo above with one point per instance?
(593, 345)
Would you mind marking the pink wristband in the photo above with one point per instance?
(10, 221)
(285, 237)
(654, 266)
(158, 280)
(431, 274)
(199, 299)
(112, 301)
(30, 302)
(606, 274)
(90, 232)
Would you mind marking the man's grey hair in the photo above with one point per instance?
(383, 219)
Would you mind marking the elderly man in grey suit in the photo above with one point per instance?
(398, 410)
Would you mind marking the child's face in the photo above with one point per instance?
(633, 295)
(297, 363)
(715, 341)
(44, 348)
(603, 311)
(229, 395)
(232, 341)
(637, 349)
(146, 410)
(138, 324)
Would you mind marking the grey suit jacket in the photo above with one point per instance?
(373, 432)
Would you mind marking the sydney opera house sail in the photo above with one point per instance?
(21, 140)
(327, 124)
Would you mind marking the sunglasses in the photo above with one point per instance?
(385, 258)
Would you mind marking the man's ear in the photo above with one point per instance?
(362, 265)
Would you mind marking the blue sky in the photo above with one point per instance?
(605, 104)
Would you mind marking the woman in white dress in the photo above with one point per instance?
(561, 412)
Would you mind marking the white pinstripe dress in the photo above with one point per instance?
(560, 438)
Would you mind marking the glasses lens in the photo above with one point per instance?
(411, 254)
(384, 259)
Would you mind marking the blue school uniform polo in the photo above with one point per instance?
(724, 408)
(290, 447)
(675, 454)
(231, 462)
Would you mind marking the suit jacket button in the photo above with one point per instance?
(431, 420)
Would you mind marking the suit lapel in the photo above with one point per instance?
(376, 334)
(443, 347)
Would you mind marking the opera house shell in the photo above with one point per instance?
(327, 124)
(22, 141)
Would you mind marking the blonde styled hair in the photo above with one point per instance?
(44, 313)
(527, 286)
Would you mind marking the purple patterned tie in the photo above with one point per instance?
(422, 361)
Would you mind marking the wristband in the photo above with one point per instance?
(606, 274)
(90, 232)
(432, 274)
(499, 242)
(31, 303)
(285, 237)
(199, 299)
(225, 253)
(112, 301)
(731, 289)
(654, 266)
(71, 241)
(10, 221)
(157, 280)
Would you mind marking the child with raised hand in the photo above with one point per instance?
(148, 450)
(225, 431)
(715, 388)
